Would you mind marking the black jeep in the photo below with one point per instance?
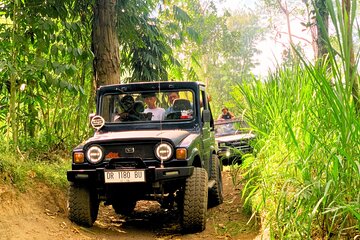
(138, 152)
(234, 138)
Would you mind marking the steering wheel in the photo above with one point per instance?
(133, 117)
(173, 115)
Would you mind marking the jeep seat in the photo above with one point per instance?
(138, 107)
(181, 104)
(182, 109)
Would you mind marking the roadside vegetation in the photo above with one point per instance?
(22, 171)
(304, 181)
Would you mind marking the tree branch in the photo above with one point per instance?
(298, 37)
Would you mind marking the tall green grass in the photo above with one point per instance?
(305, 178)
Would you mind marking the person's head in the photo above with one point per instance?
(127, 103)
(172, 96)
(224, 110)
(150, 100)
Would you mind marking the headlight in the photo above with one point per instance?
(164, 151)
(227, 154)
(94, 154)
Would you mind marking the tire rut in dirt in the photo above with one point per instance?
(83, 205)
(195, 201)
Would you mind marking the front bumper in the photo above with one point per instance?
(152, 174)
(234, 150)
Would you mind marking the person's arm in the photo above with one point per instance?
(220, 117)
(232, 116)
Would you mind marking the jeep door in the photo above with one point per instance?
(206, 129)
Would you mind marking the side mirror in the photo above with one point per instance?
(206, 116)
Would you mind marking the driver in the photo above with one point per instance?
(126, 104)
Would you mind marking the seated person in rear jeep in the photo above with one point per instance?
(225, 115)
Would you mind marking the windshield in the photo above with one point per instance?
(230, 127)
(148, 106)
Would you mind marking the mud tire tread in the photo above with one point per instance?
(195, 201)
(83, 205)
(216, 192)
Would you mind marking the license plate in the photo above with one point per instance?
(124, 176)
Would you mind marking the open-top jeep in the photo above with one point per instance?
(141, 152)
(233, 137)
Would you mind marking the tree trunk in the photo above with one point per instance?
(13, 75)
(105, 44)
(285, 10)
(351, 75)
(322, 31)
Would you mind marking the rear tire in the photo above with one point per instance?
(216, 192)
(83, 205)
(195, 201)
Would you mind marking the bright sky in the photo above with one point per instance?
(271, 49)
(235, 4)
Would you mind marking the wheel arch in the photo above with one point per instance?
(197, 162)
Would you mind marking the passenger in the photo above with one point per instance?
(226, 114)
(157, 112)
(172, 96)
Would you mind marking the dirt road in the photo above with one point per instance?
(41, 213)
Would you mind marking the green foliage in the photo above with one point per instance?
(146, 54)
(21, 170)
(230, 48)
(306, 176)
(179, 25)
(149, 60)
(52, 63)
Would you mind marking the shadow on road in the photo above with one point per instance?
(147, 221)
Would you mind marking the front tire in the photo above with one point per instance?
(216, 192)
(195, 201)
(83, 205)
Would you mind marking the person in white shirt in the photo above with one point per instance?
(150, 100)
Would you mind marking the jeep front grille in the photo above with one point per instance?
(124, 150)
(242, 146)
(125, 163)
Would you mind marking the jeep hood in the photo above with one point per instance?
(235, 137)
(176, 136)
